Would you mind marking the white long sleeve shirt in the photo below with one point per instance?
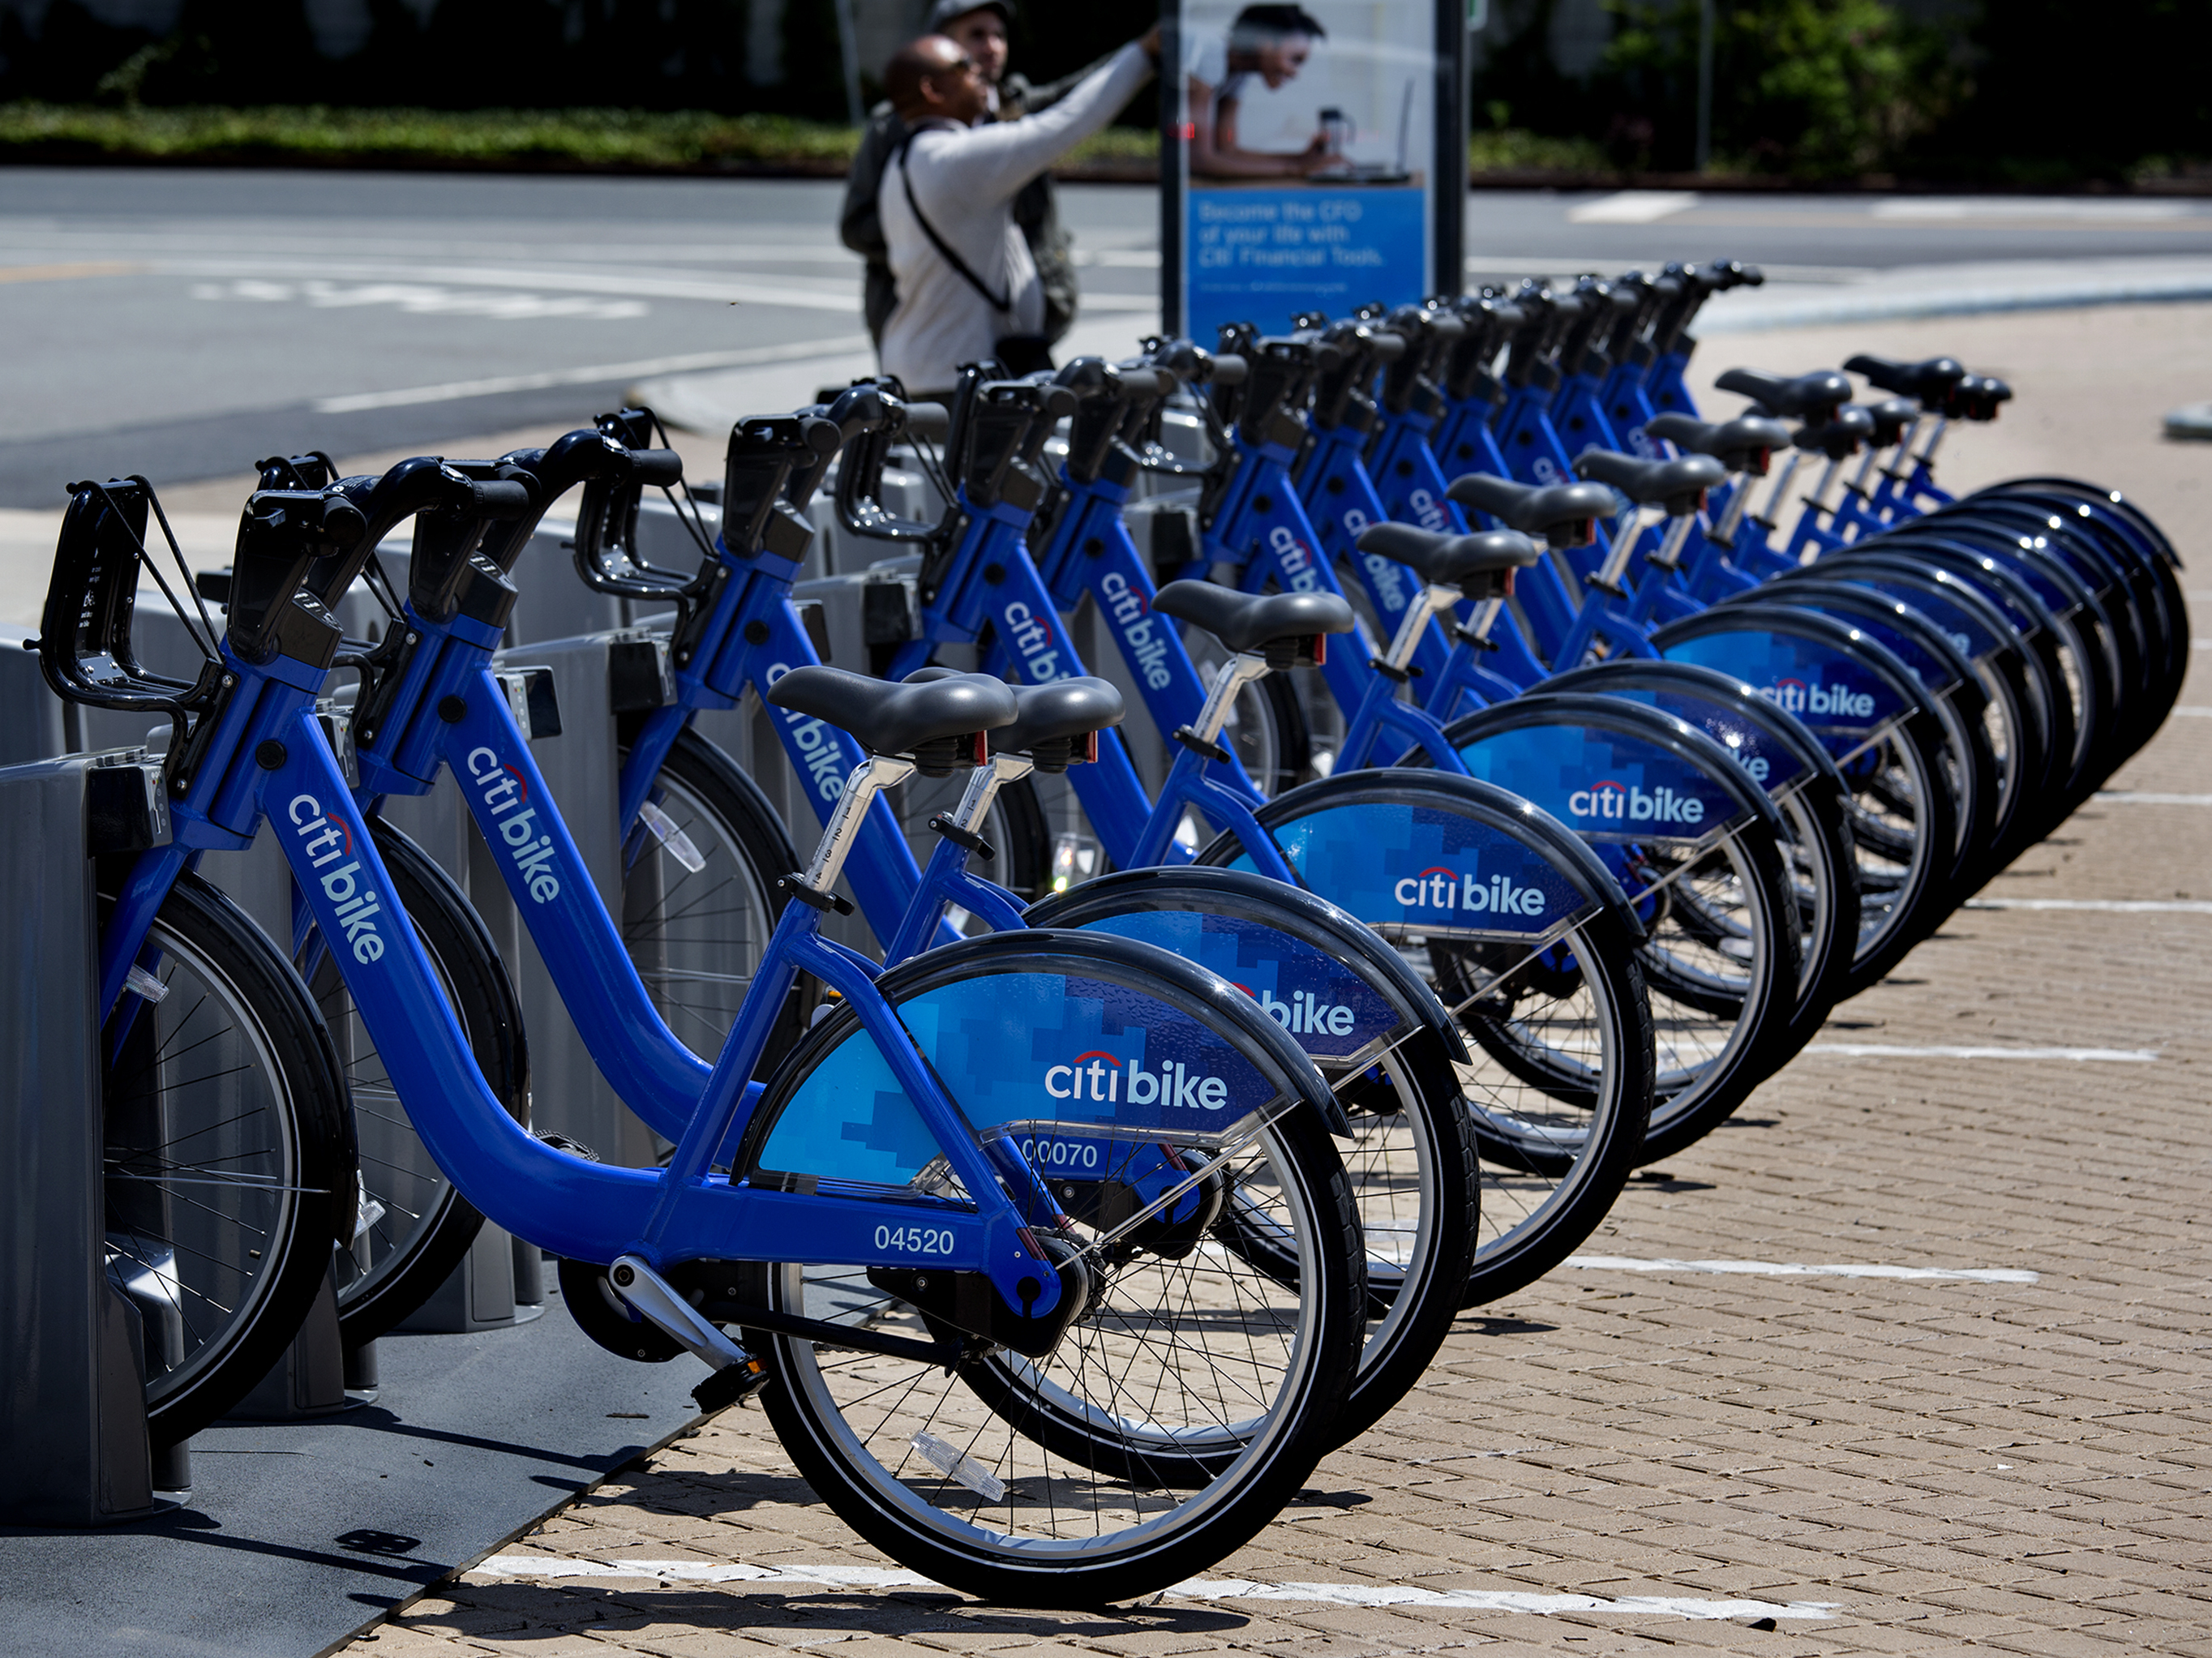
(965, 179)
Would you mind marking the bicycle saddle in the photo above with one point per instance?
(1564, 514)
(1811, 398)
(1890, 417)
(1929, 381)
(933, 720)
(1977, 397)
(1277, 624)
(1057, 725)
(1840, 435)
(1741, 446)
(1678, 485)
(1480, 566)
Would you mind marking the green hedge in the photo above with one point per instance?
(568, 140)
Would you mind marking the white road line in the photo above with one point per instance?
(1887, 1051)
(2118, 906)
(798, 350)
(2145, 798)
(2192, 713)
(1197, 1588)
(1793, 1269)
(1633, 207)
(2200, 644)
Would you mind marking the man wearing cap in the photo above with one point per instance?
(981, 32)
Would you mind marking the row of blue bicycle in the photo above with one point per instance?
(1553, 772)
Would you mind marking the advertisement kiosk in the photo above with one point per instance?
(1313, 158)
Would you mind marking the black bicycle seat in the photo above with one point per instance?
(1056, 724)
(1741, 446)
(1977, 397)
(1473, 564)
(1811, 398)
(1275, 623)
(1890, 417)
(1838, 437)
(929, 720)
(1930, 381)
(1564, 514)
(1678, 485)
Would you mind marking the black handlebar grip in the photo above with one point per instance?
(498, 498)
(660, 467)
(1139, 382)
(1389, 348)
(1229, 369)
(344, 523)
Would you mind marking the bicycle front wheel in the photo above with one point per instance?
(230, 1168)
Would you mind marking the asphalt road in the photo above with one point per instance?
(182, 324)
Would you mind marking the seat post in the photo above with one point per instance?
(1770, 520)
(983, 786)
(870, 778)
(1625, 530)
(1237, 673)
(1435, 600)
(1722, 534)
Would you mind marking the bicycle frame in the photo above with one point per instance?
(269, 755)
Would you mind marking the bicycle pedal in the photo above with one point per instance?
(732, 1384)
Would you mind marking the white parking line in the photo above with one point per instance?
(2117, 906)
(1633, 207)
(1796, 1269)
(2192, 713)
(2146, 797)
(1889, 1051)
(1197, 1588)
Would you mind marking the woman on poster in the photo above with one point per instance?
(1268, 43)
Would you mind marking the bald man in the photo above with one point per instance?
(965, 276)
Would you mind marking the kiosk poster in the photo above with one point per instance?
(1307, 134)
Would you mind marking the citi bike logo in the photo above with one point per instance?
(1439, 888)
(1028, 636)
(1306, 1015)
(1097, 1076)
(1547, 470)
(500, 788)
(1428, 511)
(1144, 642)
(1796, 697)
(1296, 558)
(1386, 577)
(1613, 802)
(325, 839)
(819, 756)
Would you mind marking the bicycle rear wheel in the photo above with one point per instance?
(229, 1165)
(1193, 1394)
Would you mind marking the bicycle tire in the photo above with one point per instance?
(1160, 1498)
(217, 1310)
(1412, 1157)
(409, 1260)
(696, 934)
(1553, 1150)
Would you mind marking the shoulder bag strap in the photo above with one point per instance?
(1004, 307)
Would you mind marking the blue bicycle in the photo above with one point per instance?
(1045, 1408)
(1344, 996)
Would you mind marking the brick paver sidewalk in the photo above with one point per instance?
(1874, 1463)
